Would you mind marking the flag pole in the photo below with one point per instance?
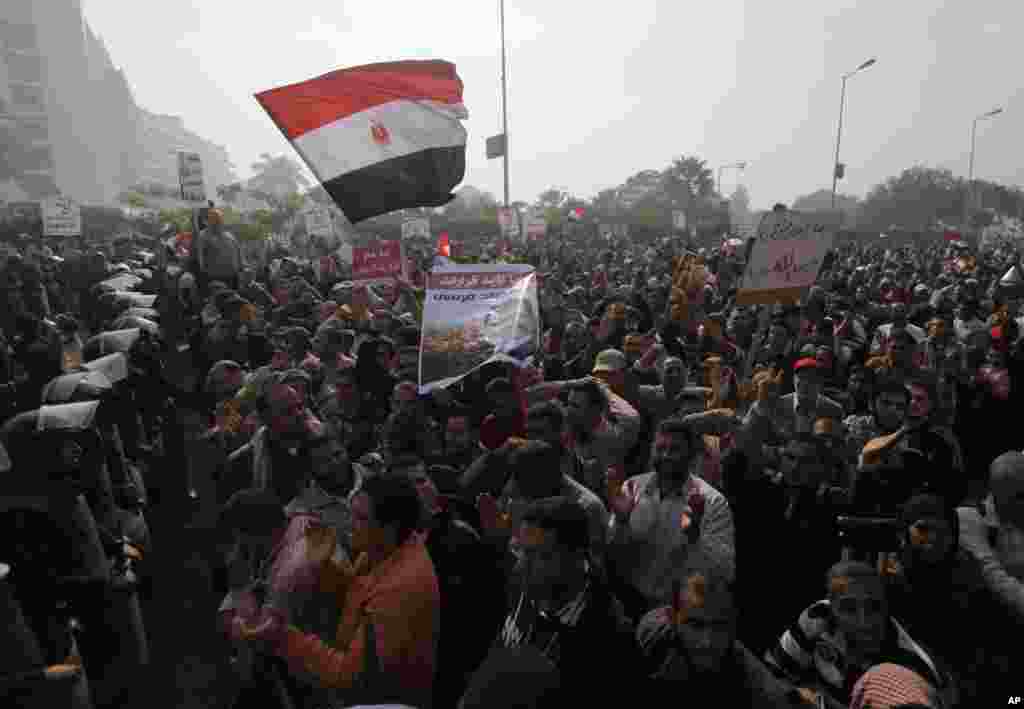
(504, 98)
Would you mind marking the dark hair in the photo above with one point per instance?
(395, 503)
(563, 516)
(549, 410)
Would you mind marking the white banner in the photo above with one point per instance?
(475, 314)
(416, 228)
(190, 176)
(61, 217)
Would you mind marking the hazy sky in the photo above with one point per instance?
(599, 91)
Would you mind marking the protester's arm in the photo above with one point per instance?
(487, 474)
(548, 390)
(716, 422)
(395, 639)
(718, 536)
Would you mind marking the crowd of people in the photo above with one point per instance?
(816, 502)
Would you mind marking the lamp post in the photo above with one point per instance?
(504, 99)
(742, 165)
(836, 168)
(969, 197)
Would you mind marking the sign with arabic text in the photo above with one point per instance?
(788, 253)
(380, 262)
(475, 314)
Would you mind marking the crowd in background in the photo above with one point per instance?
(817, 502)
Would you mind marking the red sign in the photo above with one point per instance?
(381, 260)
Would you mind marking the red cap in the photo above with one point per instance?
(805, 363)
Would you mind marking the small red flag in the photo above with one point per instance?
(443, 247)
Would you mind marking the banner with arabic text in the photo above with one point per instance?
(475, 314)
(788, 253)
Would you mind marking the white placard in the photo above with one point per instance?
(787, 255)
(62, 216)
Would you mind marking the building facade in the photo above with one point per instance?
(69, 123)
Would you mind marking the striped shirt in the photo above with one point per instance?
(813, 653)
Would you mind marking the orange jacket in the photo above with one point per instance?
(400, 597)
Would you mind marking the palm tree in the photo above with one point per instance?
(278, 175)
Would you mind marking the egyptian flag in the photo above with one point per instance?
(379, 137)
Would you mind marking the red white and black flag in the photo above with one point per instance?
(379, 137)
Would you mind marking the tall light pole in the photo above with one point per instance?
(836, 169)
(504, 99)
(969, 197)
(742, 165)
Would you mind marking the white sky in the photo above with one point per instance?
(599, 91)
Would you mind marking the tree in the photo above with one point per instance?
(229, 193)
(132, 199)
(605, 203)
(552, 198)
(180, 218)
(917, 200)
(688, 180)
(278, 176)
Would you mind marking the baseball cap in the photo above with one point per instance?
(610, 361)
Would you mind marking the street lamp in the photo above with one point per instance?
(837, 169)
(969, 198)
(742, 165)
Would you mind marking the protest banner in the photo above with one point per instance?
(380, 262)
(476, 314)
(787, 254)
(416, 228)
(61, 217)
(190, 176)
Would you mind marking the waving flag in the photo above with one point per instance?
(379, 137)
